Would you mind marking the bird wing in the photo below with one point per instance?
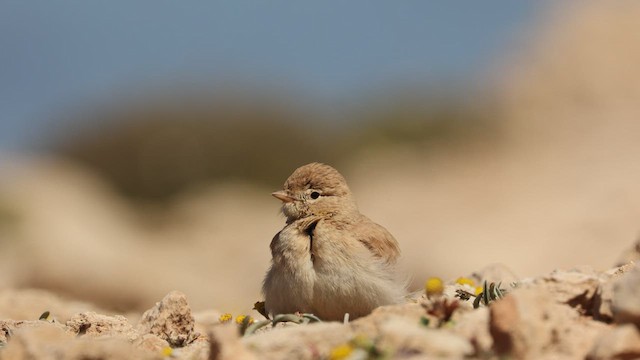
(378, 240)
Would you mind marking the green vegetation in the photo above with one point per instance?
(152, 150)
(9, 216)
(490, 292)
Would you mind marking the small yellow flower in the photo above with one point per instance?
(465, 281)
(167, 351)
(479, 289)
(224, 318)
(240, 319)
(434, 286)
(341, 352)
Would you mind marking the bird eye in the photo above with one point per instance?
(315, 195)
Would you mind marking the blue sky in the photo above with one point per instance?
(56, 55)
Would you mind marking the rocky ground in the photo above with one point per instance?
(559, 189)
(567, 314)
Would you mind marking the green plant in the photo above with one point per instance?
(294, 318)
(490, 292)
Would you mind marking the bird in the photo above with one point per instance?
(329, 259)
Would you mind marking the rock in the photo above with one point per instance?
(151, 343)
(584, 289)
(407, 336)
(36, 340)
(197, 349)
(52, 341)
(5, 333)
(576, 288)
(10, 327)
(603, 302)
(494, 273)
(106, 349)
(474, 326)
(170, 319)
(154, 345)
(390, 329)
(626, 298)
(95, 325)
(503, 323)
(225, 344)
(623, 342)
(529, 323)
(545, 317)
(370, 325)
(299, 342)
(92, 335)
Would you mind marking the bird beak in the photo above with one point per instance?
(282, 195)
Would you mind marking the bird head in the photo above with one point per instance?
(315, 190)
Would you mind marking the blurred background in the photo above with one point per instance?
(139, 141)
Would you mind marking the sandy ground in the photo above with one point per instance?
(558, 190)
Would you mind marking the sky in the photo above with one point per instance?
(57, 55)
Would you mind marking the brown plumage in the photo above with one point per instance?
(329, 259)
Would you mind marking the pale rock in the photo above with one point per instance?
(623, 342)
(370, 325)
(96, 325)
(497, 273)
(198, 349)
(603, 301)
(170, 319)
(43, 340)
(151, 343)
(225, 343)
(503, 323)
(588, 291)
(112, 348)
(34, 340)
(474, 325)
(576, 288)
(407, 336)
(626, 298)
(8, 327)
(530, 324)
(299, 342)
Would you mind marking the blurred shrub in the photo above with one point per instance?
(424, 123)
(154, 149)
(151, 150)
(9, 218)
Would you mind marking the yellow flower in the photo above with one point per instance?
(465, 281)
(167, 351)
(224, 318)
(479, 289)
(241, 318)
(341, 352)
(434, 286)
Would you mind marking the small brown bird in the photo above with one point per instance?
(329, 259)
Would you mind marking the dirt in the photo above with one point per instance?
(563, 315)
